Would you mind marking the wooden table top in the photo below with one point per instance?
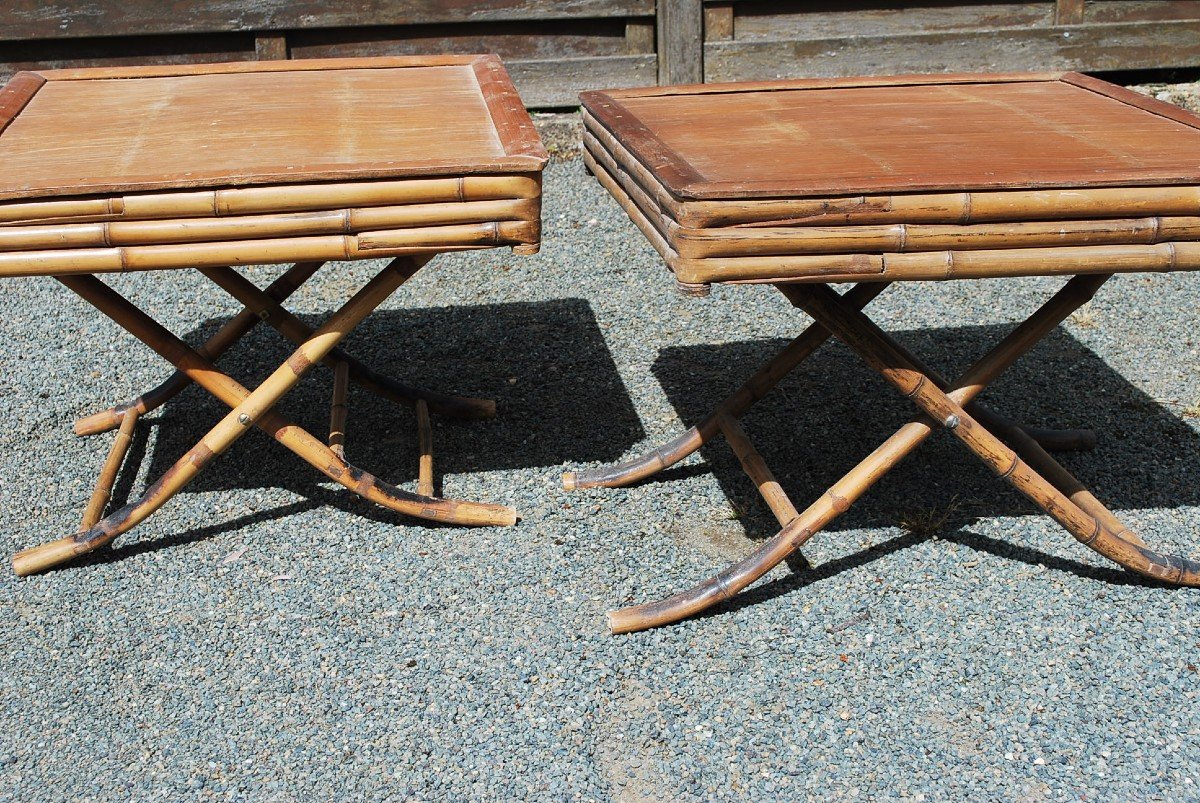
(75, 132)
(900, 134)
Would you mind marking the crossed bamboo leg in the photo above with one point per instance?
(268, 308)
(1060, 495)
(251, 408)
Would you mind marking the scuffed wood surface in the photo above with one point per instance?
(276, 122)
(34, 19)
(1109, 47)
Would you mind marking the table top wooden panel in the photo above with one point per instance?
(906, 134)
(93, 131)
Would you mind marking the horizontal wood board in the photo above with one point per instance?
(900, 135)
(132, 129)
(36, 19)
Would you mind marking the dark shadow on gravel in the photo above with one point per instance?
(833, 411)
(545, 363)
(314, 498)
(801, 578)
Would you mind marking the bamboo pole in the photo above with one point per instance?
(756, 468)
(764, 380)
(736, 241)
(233, 331)
(250, 408)
(425, 449)
(273, 199)
(337, 411)
(858, 480)
(202, 371)
(367, 245)
(945, 265)
(108, 473)
(864, 336)
(252, 227)
(263, 307)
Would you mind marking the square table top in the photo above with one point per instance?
(900, 134)
(106, 130)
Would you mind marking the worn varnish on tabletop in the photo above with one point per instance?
(892, 178)
(839, 136)
(149, 128)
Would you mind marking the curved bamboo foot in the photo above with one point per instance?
(649, 464)
(368, 486)
(730, 581)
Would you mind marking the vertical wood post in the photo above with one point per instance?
(270, 47)
(1068, 12)
(639, 36)
(718, 22)
(680, 42)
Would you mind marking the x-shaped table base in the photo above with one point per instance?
(1017, 454)
(255, 408)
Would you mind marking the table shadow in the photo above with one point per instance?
(544, 363)
(834, 410)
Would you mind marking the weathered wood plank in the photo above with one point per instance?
(509, 40)
(1078, 47)
(680, 42)
(36, 19)
(120, 51)
(774, 21)
(639, 36)
(1068, 12)
(557, 84)
(270, 47)
(718, 22)
(1131, 11)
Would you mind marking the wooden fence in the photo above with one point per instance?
(556, 49)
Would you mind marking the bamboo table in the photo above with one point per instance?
(207, 167)
(800, 184)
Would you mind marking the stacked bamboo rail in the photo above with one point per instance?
(263, 225)
(708, 232)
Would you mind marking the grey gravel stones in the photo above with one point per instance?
(349, 654)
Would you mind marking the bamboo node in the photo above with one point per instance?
(1095, 532)
(839, 503)
(1008, 472)
(917, 387)
(299, 363)
(723, 585)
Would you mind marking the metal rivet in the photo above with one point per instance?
(244, 420)
(951, 422)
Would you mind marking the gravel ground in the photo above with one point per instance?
(265, 638)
